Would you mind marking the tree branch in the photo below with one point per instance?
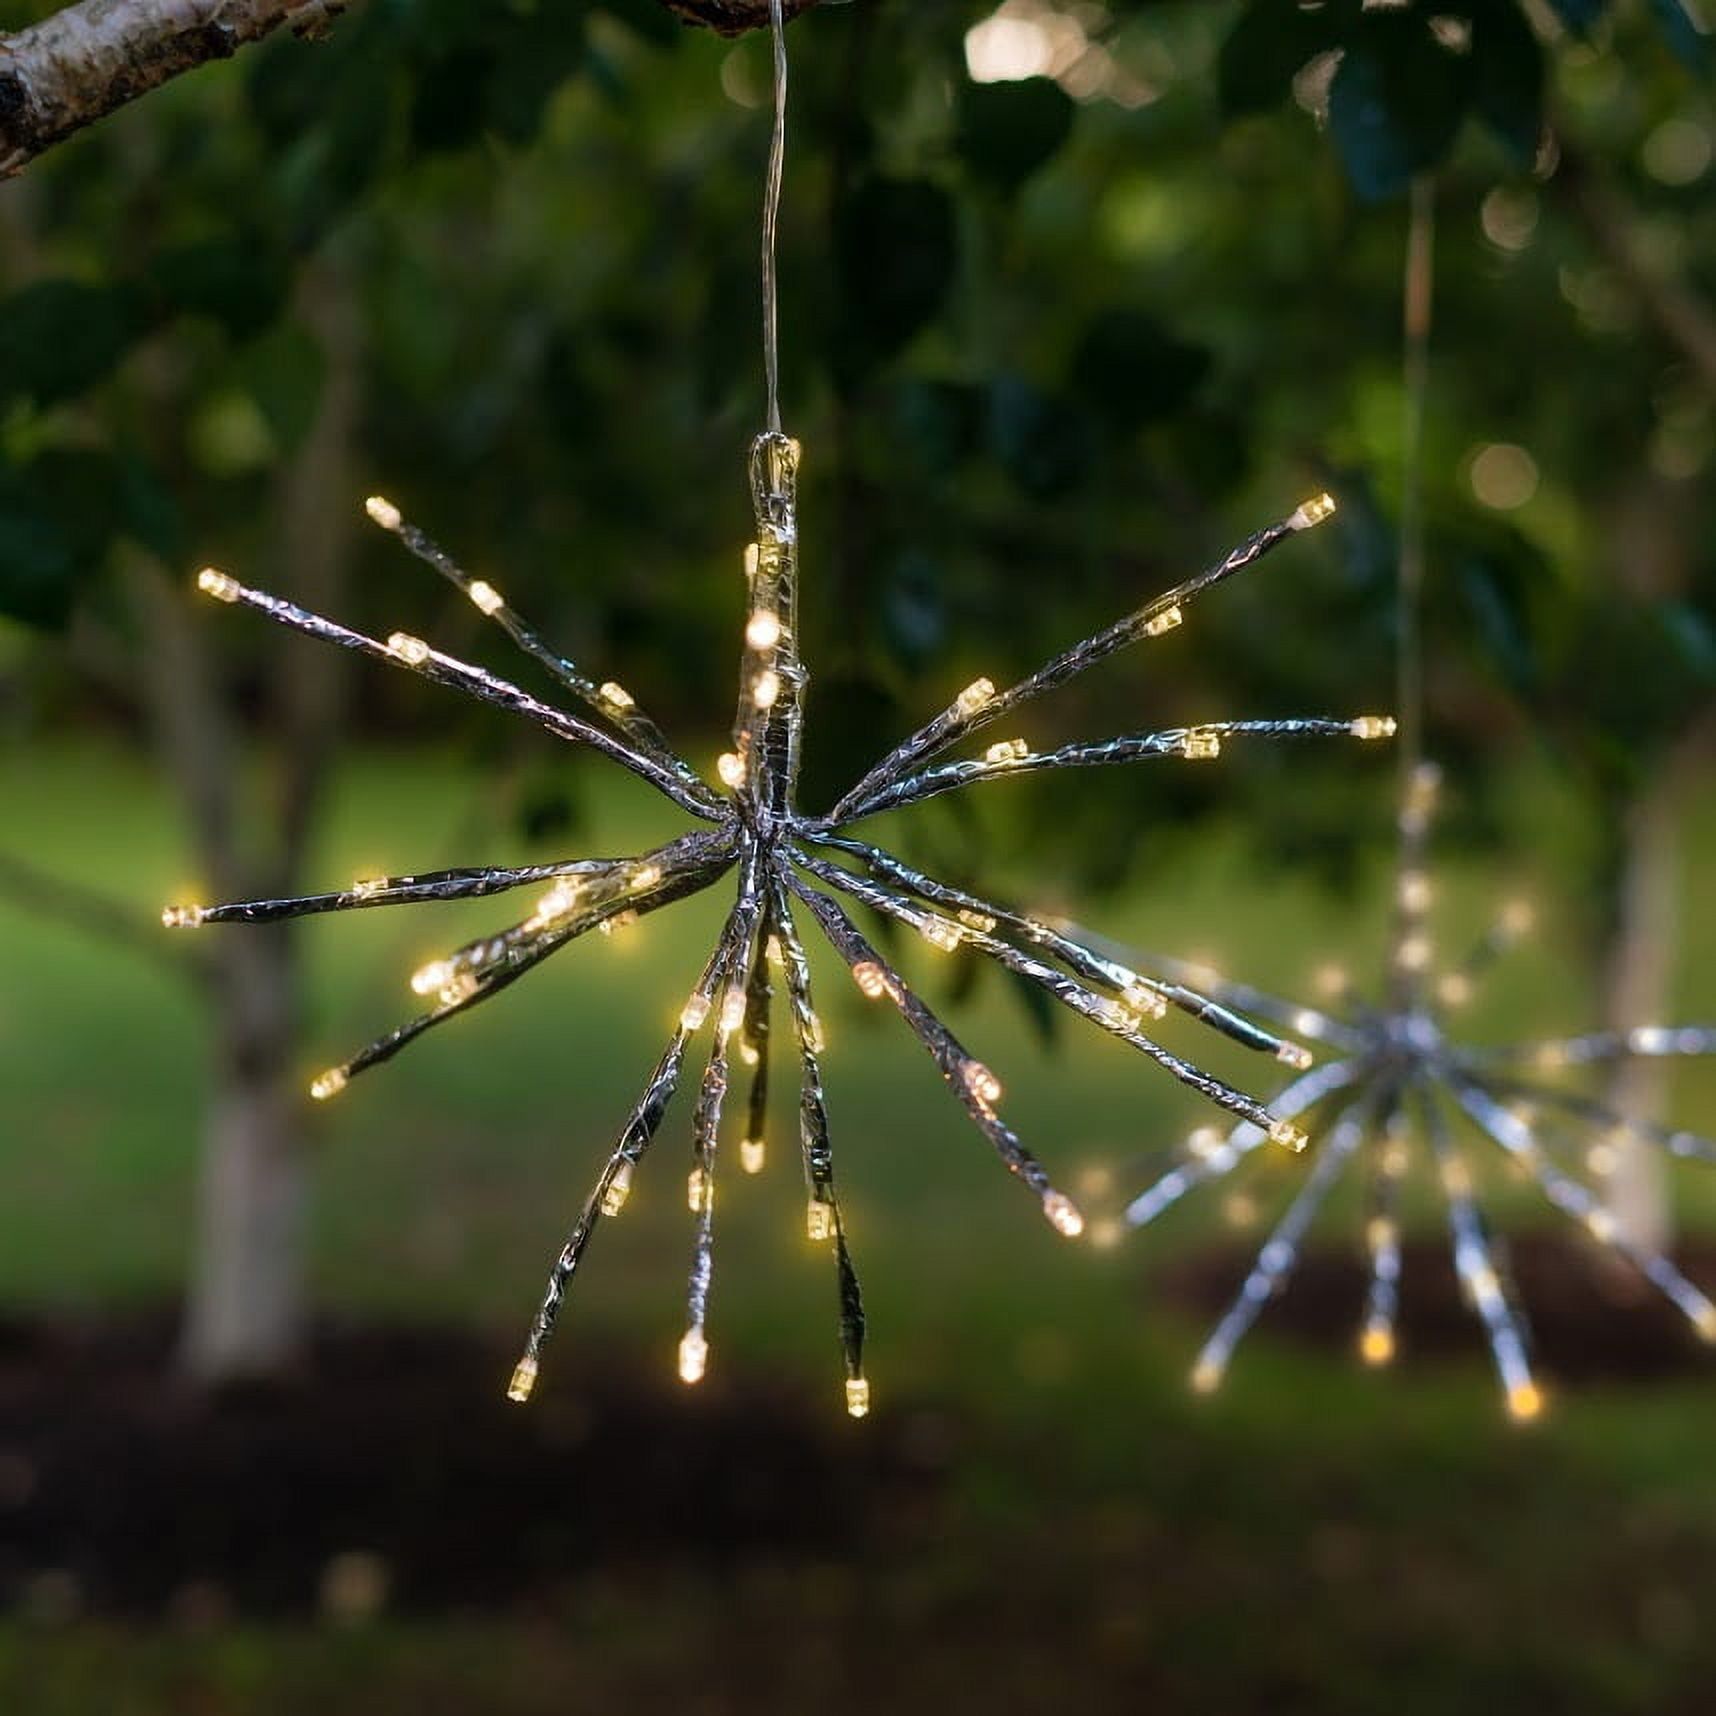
(733, 17)
(87, 59)
(1678, 311)
(43, 894)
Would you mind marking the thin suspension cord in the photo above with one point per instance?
(1418, 296)
(1418, 291)
(771, 220)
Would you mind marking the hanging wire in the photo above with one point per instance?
(771, 222)
(1418, 297)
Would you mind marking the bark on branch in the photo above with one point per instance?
(733, 17)
(87, 59)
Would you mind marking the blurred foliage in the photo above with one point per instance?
(1047, 354)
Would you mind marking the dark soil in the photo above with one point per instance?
(1592, 1319)
(391, 1471)
(391, 1474)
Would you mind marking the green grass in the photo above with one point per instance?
(1317, 1538)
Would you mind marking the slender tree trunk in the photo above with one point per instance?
(1638, 967)
(246, 1310)
(248, 1307)
(1652, 533)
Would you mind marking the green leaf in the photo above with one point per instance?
(937, 422)
(147, 511)
(58, 338)
(1009, 130)
(1580, 16)
(535, 56)
(1507, 76)
(648, 18)
(1692, 639)
(1687, 37)
(57, 516)
(1132, 370)
(914, 611)
(1263, 52)
(284, 373)
(39, 568)
(1396, 103)
(1041, 442)
(895, 248)
(239, 282)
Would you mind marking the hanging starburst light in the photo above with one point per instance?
(1400, 1084)
(783, 860)
(1400, 1087)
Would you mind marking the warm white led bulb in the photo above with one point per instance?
(763, 630)
(974, 698)
(1313, 511)
(1289, 1136)
(939, 932)
(730, 766)
(560, 899)
(329, 1084)
(981, 1082)
(693, 1356)
(753, 1153)
(693, 1013)
(871, 979)
(819, 1220)
(218, 585)
(616, 697)
(1201, 744)
(619, 1188)
(1373, 727)
(1063, 1215)
(1165, 621)
(1146, 999)
(699, 1191)
(1524, 1402)
(383, 511)
(523, 1377)
(182, 917)
(431, 977)
(486, 597)
(413, 651)
(857, 1396)
(1294, 1055)
(766, 689)
(732, 1010)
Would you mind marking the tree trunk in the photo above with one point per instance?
(1638, 968)
(246, 1311)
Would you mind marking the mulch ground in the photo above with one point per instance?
(390, 1472)
(1590, 1319)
